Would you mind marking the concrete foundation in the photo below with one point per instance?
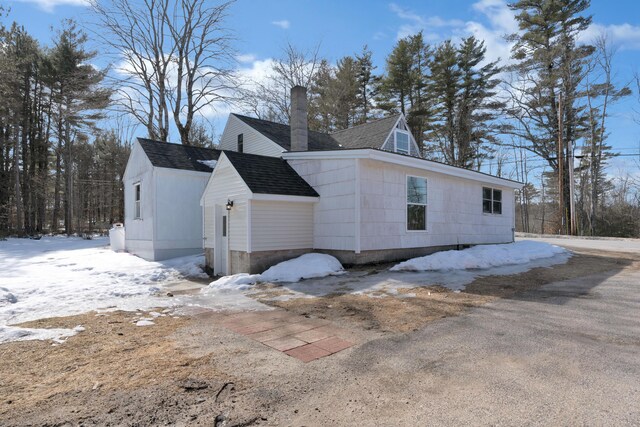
(258, 262)
(348, 258)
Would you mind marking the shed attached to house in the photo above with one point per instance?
(257, 212)
(163, 184)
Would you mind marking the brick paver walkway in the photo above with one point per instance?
(297, 336)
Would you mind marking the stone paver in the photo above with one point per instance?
(285, 343)
(313, 335)
(333, 344)
(301, 337)
(307, 353)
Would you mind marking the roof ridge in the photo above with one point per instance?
(176, 144)
(367, 123)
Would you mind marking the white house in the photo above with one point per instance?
(362, 195)
(163, 184)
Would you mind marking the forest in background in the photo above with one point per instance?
(539, 117)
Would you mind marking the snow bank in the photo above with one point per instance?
(231, 291)
(237, 281)
(482, 257)
(307, 266)
(60, 276)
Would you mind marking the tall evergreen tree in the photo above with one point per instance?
(465, 105)
(403, 88)
(366, 84)
(79, 101)
(549, 69)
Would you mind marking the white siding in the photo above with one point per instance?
(139, 232)
(454, 210)
(226, 184)
(209, 223)
(254, 141)
(281, 225)
(178, 222)
(334, 215)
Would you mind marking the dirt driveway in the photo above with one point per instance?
(556, 345)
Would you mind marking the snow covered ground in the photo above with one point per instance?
(60, 276)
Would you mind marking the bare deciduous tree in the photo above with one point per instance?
(176, 59)
(269, 99)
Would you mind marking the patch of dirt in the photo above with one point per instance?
(400, 313)
(113, 373)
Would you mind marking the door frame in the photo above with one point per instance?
(221, 246)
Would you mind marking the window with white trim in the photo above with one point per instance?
(416, 203)
(137, 212)
(491, 200)
(401, 142)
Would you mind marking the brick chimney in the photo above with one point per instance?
(298, 120)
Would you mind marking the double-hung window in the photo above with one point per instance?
(137, 212)
(416, 203)
(491, 200)
(241, 143)
(402, 141)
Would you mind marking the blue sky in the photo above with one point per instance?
(343, 27)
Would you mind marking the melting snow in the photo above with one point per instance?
(60, 276)
(482, 257)
(211, 163)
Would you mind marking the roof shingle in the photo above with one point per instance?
(178, 156)
(269, 175)
(281, 134)
(367, 135)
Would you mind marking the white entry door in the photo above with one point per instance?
(221, 251)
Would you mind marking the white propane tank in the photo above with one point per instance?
(116, 237)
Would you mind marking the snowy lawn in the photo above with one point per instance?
(60, 276)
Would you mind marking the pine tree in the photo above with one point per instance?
(549, 70)
(79, 101)
(465, 107)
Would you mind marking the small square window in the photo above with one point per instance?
(491, 200)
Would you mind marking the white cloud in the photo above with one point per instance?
(50, 5)
(417, 23)
(625, 36)
(500, 21)
(284, 24)
(246, 58)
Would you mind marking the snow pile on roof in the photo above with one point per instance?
(211, 163)
(482, 257)
(59, 276)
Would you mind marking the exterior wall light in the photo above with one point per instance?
(229, 204)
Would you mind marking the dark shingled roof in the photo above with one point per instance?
(269, 175)
(281, 134)
(178, 156)
(368, 135)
